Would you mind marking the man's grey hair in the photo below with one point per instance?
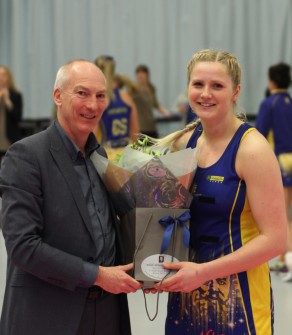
(64, 70)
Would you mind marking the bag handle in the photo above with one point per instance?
(172, 253)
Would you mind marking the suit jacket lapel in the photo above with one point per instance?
(64, 163)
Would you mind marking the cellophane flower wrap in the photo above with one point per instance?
(147, 180)
(140, 179)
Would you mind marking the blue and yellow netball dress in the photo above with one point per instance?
(222, 222)
(114, 129)
(116, 121)
(274, 121)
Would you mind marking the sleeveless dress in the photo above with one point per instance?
(274, 121)
(116, 120)
(221, 222)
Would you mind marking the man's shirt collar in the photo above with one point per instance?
(72, 148)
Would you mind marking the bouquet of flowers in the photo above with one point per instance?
(149, 190)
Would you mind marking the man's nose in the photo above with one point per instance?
(92, 102)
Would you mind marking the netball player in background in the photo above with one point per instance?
(274, 121)
(119, 123)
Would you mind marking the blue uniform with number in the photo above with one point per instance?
(274, 121)
(222, 222)
(115, 121)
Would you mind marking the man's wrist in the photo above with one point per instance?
(89, 274)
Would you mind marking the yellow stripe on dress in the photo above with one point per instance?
(258, 278)
(232, 250)
(285, 161)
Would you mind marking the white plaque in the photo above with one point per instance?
(153, 268)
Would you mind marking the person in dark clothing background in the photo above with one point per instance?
(10, 109)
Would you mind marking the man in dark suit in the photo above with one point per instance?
(60, 231)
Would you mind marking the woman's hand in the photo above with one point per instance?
(188, 277)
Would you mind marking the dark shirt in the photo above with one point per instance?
(97, 203)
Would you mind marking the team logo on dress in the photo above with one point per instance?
(215, 179)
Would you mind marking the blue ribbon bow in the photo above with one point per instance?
(168, 222)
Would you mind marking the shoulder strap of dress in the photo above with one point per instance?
(117, 94)
(195, 135)
(247, 132)
(247, 129)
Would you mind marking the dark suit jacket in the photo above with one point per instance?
(48, 233)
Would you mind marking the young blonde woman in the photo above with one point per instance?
(238, 219)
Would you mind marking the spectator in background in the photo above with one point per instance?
(119, 123)
(10, 109)
(146, 100)
(274, 121)
(181, 106)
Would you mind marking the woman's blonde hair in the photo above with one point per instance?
(11, 82)
(107, 65)
(209, 55)
(234, 71)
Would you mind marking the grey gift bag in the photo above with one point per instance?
(152, 236)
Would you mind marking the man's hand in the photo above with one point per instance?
(115, 279)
